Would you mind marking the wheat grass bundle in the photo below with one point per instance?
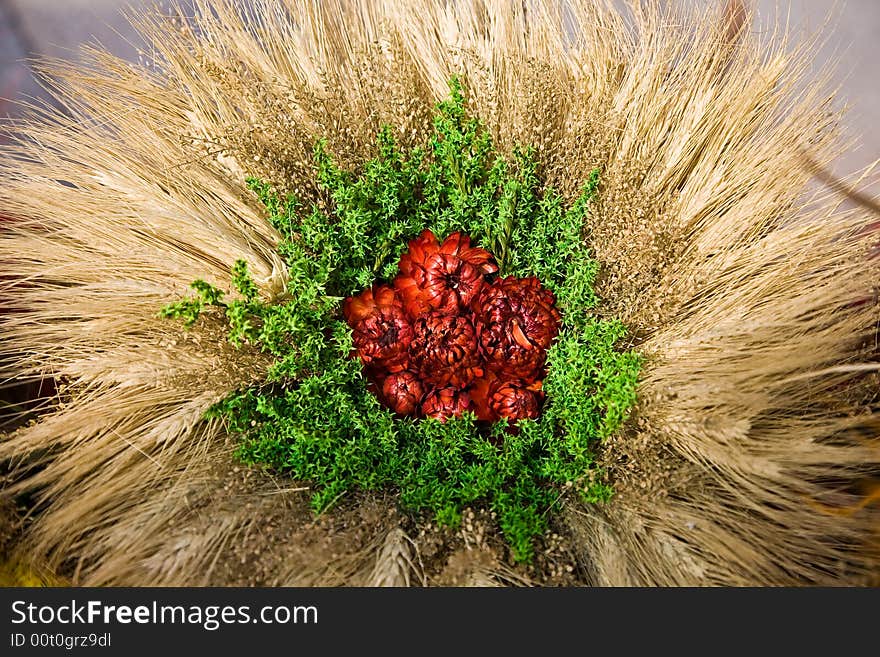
(749, 454)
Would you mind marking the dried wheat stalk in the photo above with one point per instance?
(395, 563)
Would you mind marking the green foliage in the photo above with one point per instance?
(315, 416)
(190, 309)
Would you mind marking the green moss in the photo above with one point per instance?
(315, 417)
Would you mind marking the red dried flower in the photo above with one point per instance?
(381, 330)
(516, 323)
(514, 400)
(460, 245)
(402, 392)
(493, 399)
(443, 341)
(444, 349)
(444, 277)
(444, 403)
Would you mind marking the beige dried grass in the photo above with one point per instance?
(745, 288)
(396, 562)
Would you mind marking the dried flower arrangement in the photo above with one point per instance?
(455, 336)
(700, 319)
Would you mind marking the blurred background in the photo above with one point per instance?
(850, 29)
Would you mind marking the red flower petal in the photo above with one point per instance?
(479, 393)
(411, 296)
(460, 245)
(418, 252)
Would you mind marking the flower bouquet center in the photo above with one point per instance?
(445, 338)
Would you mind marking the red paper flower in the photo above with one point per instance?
(382, 332)
(402, 392)
(444, 349)
(444, 403)
(444, 277)
(516, 323)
